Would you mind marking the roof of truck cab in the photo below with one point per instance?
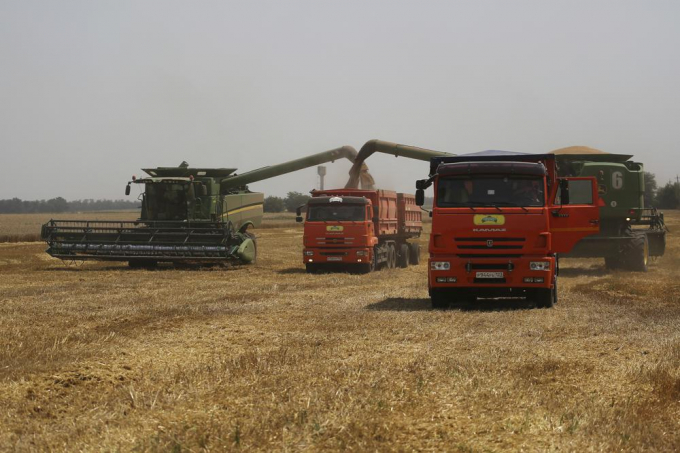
(345, 200)
(492, 167)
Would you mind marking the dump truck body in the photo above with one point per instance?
(351, 229)
(498, 224)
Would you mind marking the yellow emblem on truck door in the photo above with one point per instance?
(489, 219)
(335, 228)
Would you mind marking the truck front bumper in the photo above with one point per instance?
(359, 255)
(489, 275)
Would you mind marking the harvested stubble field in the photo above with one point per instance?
(102, 357)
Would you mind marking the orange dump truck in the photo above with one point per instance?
(360, 230)
(499, 221)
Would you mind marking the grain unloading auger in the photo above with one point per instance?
(187, 215)
(359, 171)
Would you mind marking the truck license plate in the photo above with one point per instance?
(489, 274)
(334, 258)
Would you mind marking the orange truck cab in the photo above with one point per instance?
(360, 230)
(499, 221)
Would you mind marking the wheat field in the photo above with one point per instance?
(100, 357)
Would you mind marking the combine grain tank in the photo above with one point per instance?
(351, 229)
(188, 215)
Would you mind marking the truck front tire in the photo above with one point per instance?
(440, 299)
(545, 297)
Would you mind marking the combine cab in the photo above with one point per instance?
(188, 215)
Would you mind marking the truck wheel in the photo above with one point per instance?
(391, 257)
(637, 253)
(414, 253)
(545, 297)
(439, 298)
(368, 267)
(312, 268)
(403, 256)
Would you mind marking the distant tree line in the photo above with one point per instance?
(289, 203)
(59, 204)
(665, 197)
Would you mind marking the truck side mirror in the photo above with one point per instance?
(298, 214)
(204, 190)
(127, 189)
(564, 191)
(420, 197)
(421, 184)
(298, 219)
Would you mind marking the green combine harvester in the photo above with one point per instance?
(188, 215)
(630, 233)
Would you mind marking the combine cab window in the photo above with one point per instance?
(337, 213)
(490, 191)
(166, 201)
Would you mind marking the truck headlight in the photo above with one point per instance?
(440, 265)
(539, 265)
(362, 253)
(309, 252)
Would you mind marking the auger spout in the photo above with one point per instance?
(358, 173)
(260, 174)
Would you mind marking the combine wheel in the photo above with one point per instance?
(403, 258)
(414, 253)
(637, 253)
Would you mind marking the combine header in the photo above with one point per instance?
(188, 215)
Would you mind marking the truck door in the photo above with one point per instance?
(574, 213)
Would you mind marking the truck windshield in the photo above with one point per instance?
(166, 201)
(490, 191)
(338, 213)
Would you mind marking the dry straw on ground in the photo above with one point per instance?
(101, 357)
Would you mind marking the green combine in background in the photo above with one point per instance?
(188, 215)
(630, 233)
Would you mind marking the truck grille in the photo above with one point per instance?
(489, 243)
(335, 241)
(489, 266)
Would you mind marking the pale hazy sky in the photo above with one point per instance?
(91, 91)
